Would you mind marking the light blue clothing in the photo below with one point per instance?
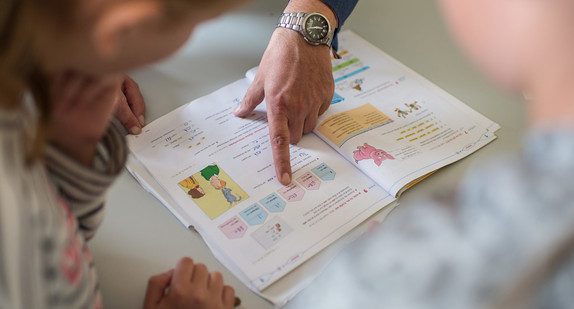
(470, 249)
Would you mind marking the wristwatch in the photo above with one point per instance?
(314, 27)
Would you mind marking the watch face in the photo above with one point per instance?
(316, 27)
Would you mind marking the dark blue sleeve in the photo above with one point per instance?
(342, 9)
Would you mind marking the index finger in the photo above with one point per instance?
(279, 138)
(134, 98)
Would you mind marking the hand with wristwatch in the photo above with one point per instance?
(294, 78)
(314, 27)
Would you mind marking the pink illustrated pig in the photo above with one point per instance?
(369, 152)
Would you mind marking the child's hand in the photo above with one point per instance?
(81, 111)
(189, 285)
(129, 108)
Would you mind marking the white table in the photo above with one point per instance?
(140, 238)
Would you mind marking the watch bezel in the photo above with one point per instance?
(325, 40)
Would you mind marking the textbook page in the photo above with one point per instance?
(284, 289)
(392, 123)
(218, 171)
(287, 287)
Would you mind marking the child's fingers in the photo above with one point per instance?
(105, 97)
(218, 290)
(229, 299)
(75, 89)
(200, 276)
(183, 272)
(134, 99)
(125, 115)
(215, 283)
(156, 289)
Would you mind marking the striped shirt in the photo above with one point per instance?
(48, 210)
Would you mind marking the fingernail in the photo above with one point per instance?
(136, 130)
(142, 120)
(237, 109)
(286, 179)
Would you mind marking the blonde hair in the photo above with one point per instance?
(22, 22)
(19, 69)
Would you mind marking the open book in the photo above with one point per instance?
(387, 127)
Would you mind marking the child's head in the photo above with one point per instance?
(216, 183)
(96, 37)
(515, 41)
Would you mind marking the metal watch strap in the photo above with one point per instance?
(292, 21)
(295, 22)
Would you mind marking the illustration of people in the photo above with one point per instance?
(195, 191)
(401, 113)
(211, 174)
(356, 84)
(367, 151)
(404, 113)
(412, 106)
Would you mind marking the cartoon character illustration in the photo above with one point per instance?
(367, 151)
(356, 84)
(211, 174)
(412, 106)
(401, 113)
(195, 191)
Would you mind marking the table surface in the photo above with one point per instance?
(140, 237)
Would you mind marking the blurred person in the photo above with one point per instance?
(505, 238)
(60, 67)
